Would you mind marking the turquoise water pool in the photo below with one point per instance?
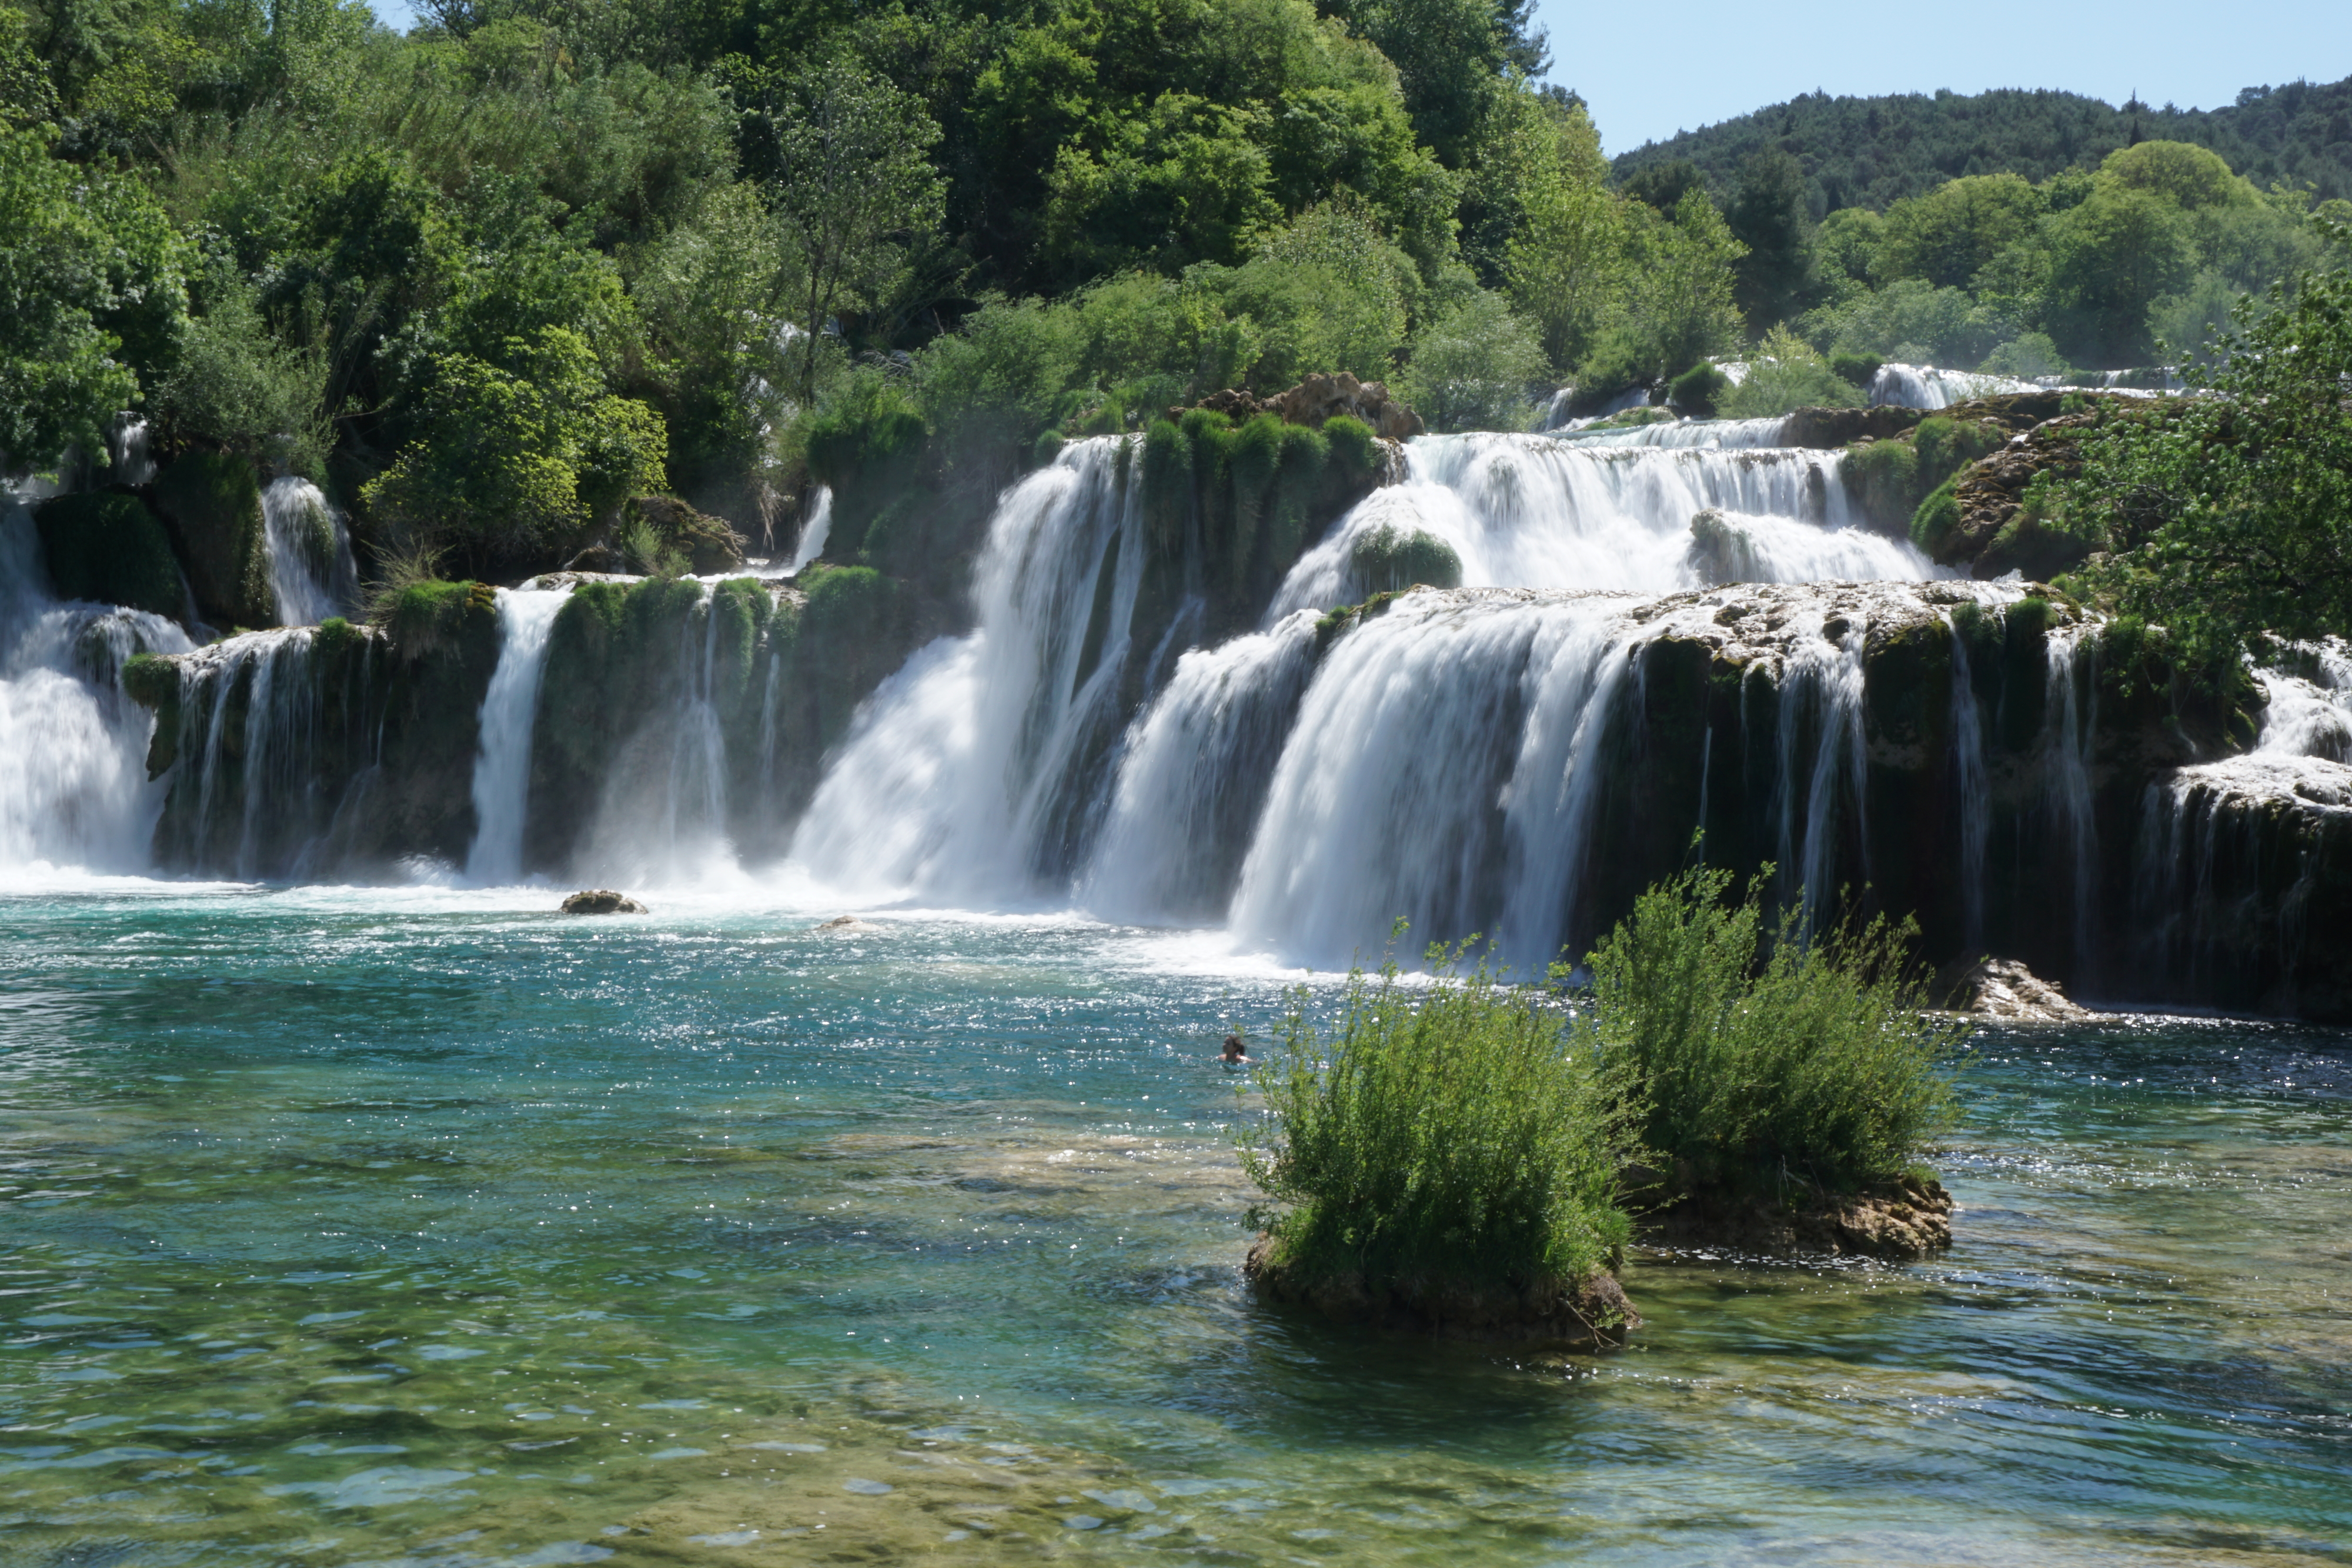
(371, 1227)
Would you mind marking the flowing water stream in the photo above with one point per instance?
(366, 1226)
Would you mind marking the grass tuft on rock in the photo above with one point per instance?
(1440, 1134)
(1760, 1055)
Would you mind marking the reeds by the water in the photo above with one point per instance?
(1469, 1129)
(1453, 1129)
(1758, 1050)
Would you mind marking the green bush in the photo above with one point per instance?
(150, 681)
(1947, 445)
(1883, 478)
(1446, 1132)
(1756, 1051)
(1698, 390)
(1856, 370)
(1772, 388)
(1471, 368)
(1937, 518)
(214, 501)
(1350, 441)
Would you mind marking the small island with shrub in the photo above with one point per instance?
(1470, 1157)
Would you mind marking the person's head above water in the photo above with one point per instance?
(1233, 1049)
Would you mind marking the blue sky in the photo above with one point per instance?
(1650, 70)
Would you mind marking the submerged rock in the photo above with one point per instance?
(845, 925)
(601, 901)
(1900, 1221)
(1589, 1313)
(2005, 988)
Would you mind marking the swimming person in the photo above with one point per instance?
(1234, 1056)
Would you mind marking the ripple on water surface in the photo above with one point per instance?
(429, 1228)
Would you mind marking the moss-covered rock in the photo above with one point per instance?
(1388, 560)
(213, 502)
(706, 543)
(106, 547)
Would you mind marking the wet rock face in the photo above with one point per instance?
(601, 901)
(2006, 990)
(1587, 1314)
(1900, 1221)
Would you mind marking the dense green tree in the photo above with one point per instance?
(853, 187)
(1569, 259)
(518, 456)
(1946, 236)
(91, 296)
(1769, 216)
(2230, 514)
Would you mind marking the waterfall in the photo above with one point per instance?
(1821, 744)
(311, 573)
(73, 779)
(1440, 771)
(128, 443)
(2309, 715)
(1532, 511)
(1974, 792)
(1194, 775)
(814, 531)
(2067, 737)
(502, 762)
(1715, 434)
(694, 801)
(955, 768)
(249, 725)
(1932, 387)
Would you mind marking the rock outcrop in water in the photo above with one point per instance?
(1901, 1221)
(601, 901)
(2006, 990)
(1590, 1314)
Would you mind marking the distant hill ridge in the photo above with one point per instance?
(1871, 151)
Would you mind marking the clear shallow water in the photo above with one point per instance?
(362, 1226)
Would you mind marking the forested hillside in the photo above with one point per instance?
(495, 282)
(1873, 151)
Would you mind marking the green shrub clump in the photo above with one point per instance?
(1697, 390)
(1937, 518)
(1452, 1133)
(1786, 374)
(1757, 1053)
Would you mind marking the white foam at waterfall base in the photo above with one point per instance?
(502, 759)
(951, 767)
(311, 573)
(73, 778)
(662, 818)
